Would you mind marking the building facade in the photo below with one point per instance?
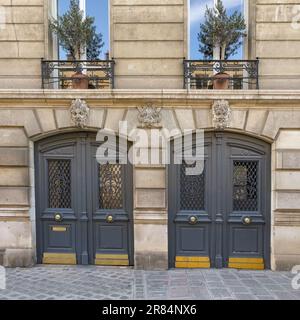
(58, 205)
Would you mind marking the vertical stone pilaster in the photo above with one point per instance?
(150, 210)
(286, 200)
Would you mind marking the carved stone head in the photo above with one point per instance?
(221, 114)
(79, 113)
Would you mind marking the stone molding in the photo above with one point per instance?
(251, 96)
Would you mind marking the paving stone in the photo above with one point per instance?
(92, 282)
(265, 297)
(259, 291)
(240, 296)
(285, 295)
(240, 289)
(220, 293)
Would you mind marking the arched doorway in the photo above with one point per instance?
(221, 218)
(83, 208)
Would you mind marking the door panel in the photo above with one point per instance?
(84, 212)
(111, 212)
(229, 204)
(56, 198)
(248, 210)
(190, 214)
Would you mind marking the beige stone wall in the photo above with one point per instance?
(29, 116)
(286, 188)
(15, 222)
(149, 41)
(22, 43)
(277, 43)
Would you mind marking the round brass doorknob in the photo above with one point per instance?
(247, 220)
(193, 220)
(58, 217)
(109, 219)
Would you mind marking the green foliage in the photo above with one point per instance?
(77, 34)
(221, 30)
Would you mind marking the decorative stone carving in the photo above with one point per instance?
(221, 114)
(79, 113)
(149, 116)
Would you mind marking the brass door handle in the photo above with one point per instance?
(193, 220)
(247, 220)
(58, 217)
(110, 218)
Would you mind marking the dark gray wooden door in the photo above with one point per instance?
(221, 218)
(84, 209)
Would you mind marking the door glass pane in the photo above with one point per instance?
(111, 185)
(59, 183)
(192, 189)
(245, 184)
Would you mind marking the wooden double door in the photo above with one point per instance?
(221, 217)
(83, 208)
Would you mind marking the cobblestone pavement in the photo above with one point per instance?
(91, 282)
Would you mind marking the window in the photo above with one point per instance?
(197, 14)
(93, 8)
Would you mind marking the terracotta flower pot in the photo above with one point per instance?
(221, 81)
(80, 81)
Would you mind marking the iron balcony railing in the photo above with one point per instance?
(68, 74)
(240, 74)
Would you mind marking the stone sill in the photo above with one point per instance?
(135, 94)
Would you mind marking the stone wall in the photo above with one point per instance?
(277, 43)
(27, 117)
(22, 43)
(286, 188)
(149, 42)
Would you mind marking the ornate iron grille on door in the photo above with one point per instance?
(192, 189)
(59, 183)
(111, 184)
(245, 184)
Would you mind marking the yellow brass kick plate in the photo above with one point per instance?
(59, 258)
(246, 263)
(192, 262)
(112, 260)
(59, 229)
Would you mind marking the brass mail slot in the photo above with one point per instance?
(59, 229)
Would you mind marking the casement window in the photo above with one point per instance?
(197, 10)
(99, 9)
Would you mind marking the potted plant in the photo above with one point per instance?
(78, 37)
(220, 36)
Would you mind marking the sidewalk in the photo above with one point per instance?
(91, 282)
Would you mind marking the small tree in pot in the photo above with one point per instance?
(220, 36)
(78, 37)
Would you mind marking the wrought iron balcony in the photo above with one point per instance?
(237, 74)
(77, 74)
